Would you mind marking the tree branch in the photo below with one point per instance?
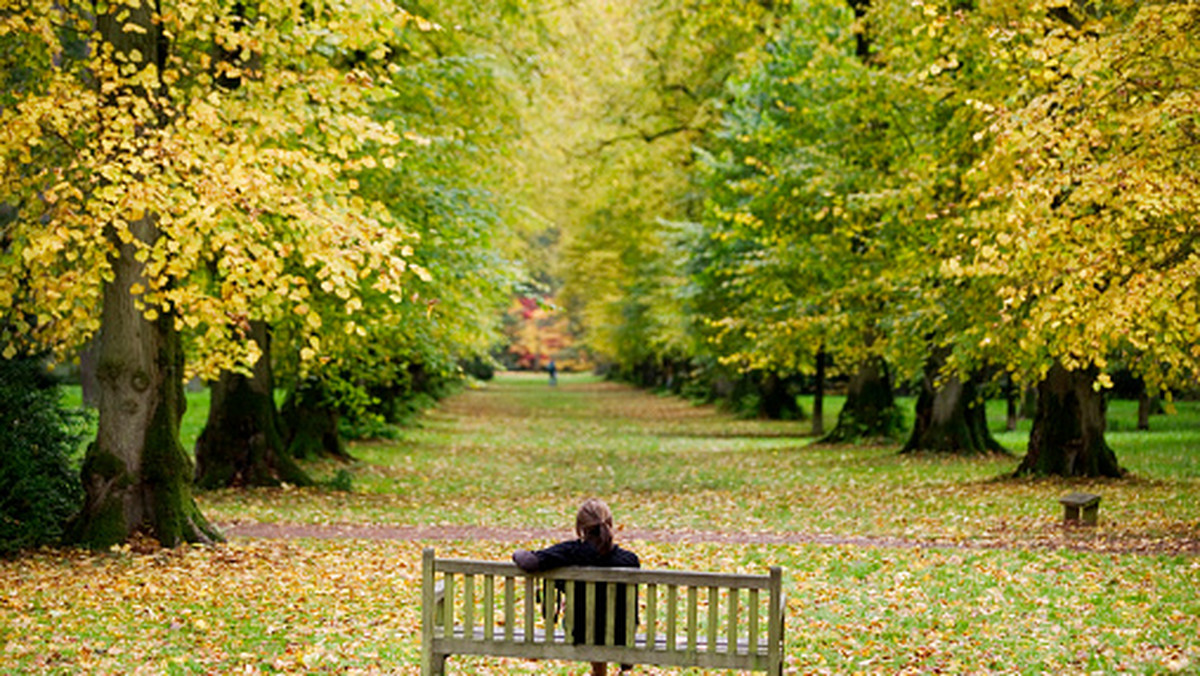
(645, 136)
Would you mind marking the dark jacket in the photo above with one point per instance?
(581, 553)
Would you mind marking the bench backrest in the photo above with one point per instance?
(670, 617)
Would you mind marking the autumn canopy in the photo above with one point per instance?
(727, 199)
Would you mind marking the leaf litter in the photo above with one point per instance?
(921, 565)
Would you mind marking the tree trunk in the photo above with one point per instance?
(818, 413)
(777, 402)
(870, 410)
(1029, 402)
(1147, 406)
(241, 444)
(311, 421)
(87, 374)
(1012, 413)
(136, 474)
(1068, 429)
(950, 416)
(1144, 407)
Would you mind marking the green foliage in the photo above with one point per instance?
(250, 188)
(480, 367)
(449, 95)
(1084, 219)
(37, 437)
(212, 166)
(624, 95)
(342, 480)
(367, 426)
(1010, 183)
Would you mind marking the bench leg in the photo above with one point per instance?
(1091, 515)
(434, 665)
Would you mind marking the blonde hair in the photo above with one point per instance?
(594, 525)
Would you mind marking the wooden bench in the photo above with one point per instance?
(673, 618)
(1074, 502)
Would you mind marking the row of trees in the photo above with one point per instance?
(946, 193)
(733, 194)
(289, 194)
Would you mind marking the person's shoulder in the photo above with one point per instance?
(565, 544)
(565, 553)
(624, 558)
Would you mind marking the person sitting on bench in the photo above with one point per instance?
(594, 547)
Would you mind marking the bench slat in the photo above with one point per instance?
(510, 607)
(569, 611)
(551, 647)
(630, 575)
(489, 607)
(610, 614)
(469, 600)
(672, 614)
(713, 614)
(652, 612)
(530, 608)
(550, 606)
(558, 636)
(732, 615)
(448, 612)
(752, 628)
(589, 591)
(631, 609)
(692, 613)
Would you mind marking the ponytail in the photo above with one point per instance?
(594, 525)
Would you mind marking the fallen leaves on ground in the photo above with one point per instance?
(998, 585)
(352, 606)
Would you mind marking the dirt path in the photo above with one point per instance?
(444, 533)
(1072, 538)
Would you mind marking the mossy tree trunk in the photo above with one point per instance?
(951, 415)
(1068, 429)
(136, 475)
(310, 418)
(870, 410)
(242, 443)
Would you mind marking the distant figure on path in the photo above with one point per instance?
(552, 368)
(595, 547)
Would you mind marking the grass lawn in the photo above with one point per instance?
(997, 587)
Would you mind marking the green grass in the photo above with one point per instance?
(998, 587)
